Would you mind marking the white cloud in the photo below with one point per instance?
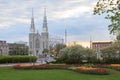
(14, 12)
(71, 8)
(5, 24)
(75, 12)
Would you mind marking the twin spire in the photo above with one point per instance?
(32, 28)
(45, 28)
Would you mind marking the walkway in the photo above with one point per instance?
(12, 64)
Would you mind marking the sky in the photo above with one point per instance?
(75, 16)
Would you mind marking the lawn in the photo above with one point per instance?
(7, 73)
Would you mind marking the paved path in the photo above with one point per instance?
(12, 64)
(39, 61)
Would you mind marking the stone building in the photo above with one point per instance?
(18, 49)
(38, 42)
(4, 49)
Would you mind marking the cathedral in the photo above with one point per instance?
(38, 42)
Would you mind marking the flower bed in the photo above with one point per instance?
(115, 66)
(42, 66)
(112, 66)
(90, 70)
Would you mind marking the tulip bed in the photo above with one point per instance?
(41, 66)
(115, 66)
(112, 66)
(90, 70)
(87, 70)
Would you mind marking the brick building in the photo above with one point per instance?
(96, 46)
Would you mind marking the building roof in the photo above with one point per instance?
(102, 42)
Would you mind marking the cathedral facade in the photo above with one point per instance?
(38, 42)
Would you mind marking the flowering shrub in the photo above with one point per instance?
(90, 70)
(41, 66)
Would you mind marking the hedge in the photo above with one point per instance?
(17, 59)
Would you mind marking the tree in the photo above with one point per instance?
(58, 47)
(52, 50)
(75, 54)
(89, 55)
(118, 37)
(111, 54)
(45, 51)
(19, 51)
(112, 8)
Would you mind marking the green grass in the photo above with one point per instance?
(7, 73)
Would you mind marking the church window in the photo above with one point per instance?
(30, 44)
(37, 43)
(43, 45)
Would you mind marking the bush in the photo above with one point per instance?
(111, 54)
(112, 60)
(75, 55)
(17, 59)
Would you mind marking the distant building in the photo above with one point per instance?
(82, 43)
(38, 42)
(96, 46)
(4, 49)
(15, 48)
(21, 42)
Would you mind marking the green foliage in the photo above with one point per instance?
(118, 37)
(52, 50)
(19, 51)
(112, 60)
(58, 47)
(111, 54)
(75, 55)
(17, 59)
(112, 9)
(45, 51)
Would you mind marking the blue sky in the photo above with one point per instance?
(76, 16)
